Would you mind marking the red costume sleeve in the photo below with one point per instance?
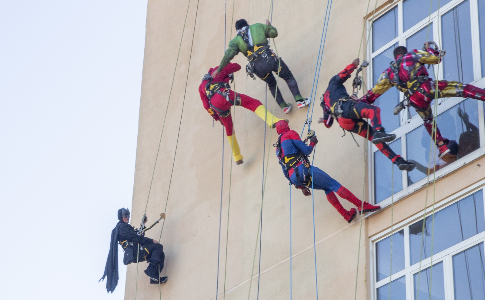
(230, 68)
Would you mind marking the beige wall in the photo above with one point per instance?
(190, 235)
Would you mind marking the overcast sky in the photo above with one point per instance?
(70, 78)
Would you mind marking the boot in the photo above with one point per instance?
(367, 208)
(287, 109)
(380, 136)
(348, 215)
(160, 280)
(404, 165)
(302, 102)
(264, 114)
(470, 91)
(443, 148)
(236, 152)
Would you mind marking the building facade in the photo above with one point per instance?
(432, 228)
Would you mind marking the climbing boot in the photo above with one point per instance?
(303, 102)
(266, 116)
(239, 162)
(157, 281)
(443, 148)
(367, 207)
(404, 165)
(349, 215)
(287, 109)
(380, 136)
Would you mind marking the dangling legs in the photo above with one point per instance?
(255, 106)
(264, 71)
(286, 75)
(231, 137)
(441, 142)
(458, 89)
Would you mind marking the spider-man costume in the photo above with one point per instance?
(350, 115)
(292, 151)
(217, 98)
(409, 75)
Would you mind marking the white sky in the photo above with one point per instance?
(70, 78)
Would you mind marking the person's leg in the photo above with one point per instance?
(255, 106)
(286, 75)
(367, 111)
(433, 131)
(362, 207)
(231, 137)
(458, 89)
(263, 70)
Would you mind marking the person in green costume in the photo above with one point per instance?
(252, 41)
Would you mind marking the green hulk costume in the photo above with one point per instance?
(252, 41)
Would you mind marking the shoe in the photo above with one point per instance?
(404, 165)
(155, 281)
(287, 109)
(239, 162)
(368, 208)
(380, 136)
(303, 102)
(349, 215)
(444, 150)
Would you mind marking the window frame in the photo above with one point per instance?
(445, 256)
(408, 125)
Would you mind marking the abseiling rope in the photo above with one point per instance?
(160, 140)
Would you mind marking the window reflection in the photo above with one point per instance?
(390, 99)
(415, 12)
(452, 225)
(456, 28)
(397, 289)
(383, 252)
(430, 281)
(383, 173)
(384, 29)
(459, 125)
(481, 20)
(469, 274)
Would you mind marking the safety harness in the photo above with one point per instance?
(292, 162)
(253, 51)
(221, 88)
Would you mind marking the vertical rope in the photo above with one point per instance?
(314, 235)
(291, 253)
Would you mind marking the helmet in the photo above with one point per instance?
(282, 126)
(123, 213)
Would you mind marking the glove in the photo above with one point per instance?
(313, 141)
(306, 191)
(214, 115)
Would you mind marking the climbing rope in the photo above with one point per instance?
(291, 254)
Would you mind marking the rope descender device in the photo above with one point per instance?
(144, 219)
(357, 83)
(309, 135)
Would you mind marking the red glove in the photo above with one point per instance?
(313, 141)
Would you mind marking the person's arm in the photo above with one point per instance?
(270, 31)
(231, 51)
(128, 232)
(382, 86)
(430, 56)
(205, 103)
(295, 138)
(327, 119)
(230, 68)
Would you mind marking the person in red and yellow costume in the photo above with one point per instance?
(217, 98)
(409, 75)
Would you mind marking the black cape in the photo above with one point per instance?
(111, 268)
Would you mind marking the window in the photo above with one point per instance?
(446, 261)
(458, 26)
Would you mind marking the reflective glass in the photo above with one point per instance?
(459, 125)
(430, 281)
(383, 254)
(383, 173)
(389, 99)
(469, 274)
(397, 288)
(452, 225)
(481, 19)
(416, 41)
(457, 40)
(384, 29)
(414, 11)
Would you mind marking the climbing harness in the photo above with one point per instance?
(221, 88)
(292, 161)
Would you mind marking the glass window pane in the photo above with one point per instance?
(384, 29)
(383, 254)
(457, 40)
(459, 125)
(469, 274)
(430, 281)
(414, 11)
(390, 99)
(481, 19)
(397, 289)
(416, 41)
(383, 173)
(452, 225)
